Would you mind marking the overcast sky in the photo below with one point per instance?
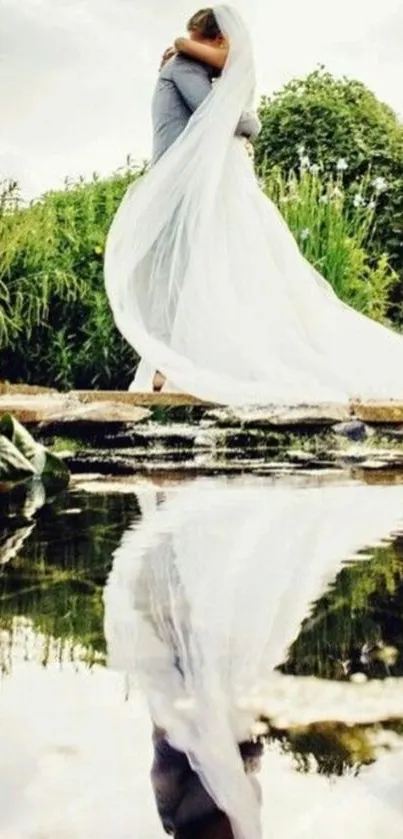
(77, 75)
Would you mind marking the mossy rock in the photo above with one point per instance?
(21, 457)
(14, 467)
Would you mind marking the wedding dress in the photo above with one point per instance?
(208, 285)
(206, 595)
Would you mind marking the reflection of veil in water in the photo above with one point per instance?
(218, 580)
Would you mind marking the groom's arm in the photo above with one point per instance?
(194, 85)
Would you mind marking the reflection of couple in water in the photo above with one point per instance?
(185, 807)
(206, 595)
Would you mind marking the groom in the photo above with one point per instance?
(183, 84)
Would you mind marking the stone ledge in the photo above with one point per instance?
(378, 413)
(98, 412)
(147, 400)
(40, 405)
(29, 390)
(31, 409)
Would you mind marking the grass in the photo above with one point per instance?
(56, 328)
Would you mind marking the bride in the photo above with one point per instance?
(198, 247)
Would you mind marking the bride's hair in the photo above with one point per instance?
(205, 23)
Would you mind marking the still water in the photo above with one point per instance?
(293, 590)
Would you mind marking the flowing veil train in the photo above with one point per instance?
(200, 642)
(208, 285)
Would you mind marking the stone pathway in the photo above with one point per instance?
(121, 433)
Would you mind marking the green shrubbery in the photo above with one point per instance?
(55, 323)
(340, 120)
(331, 157)
(334, 229)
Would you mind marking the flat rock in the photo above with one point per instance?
(283, 416)
(301, 457)
(390, 461)
(44, 408)
(174, 431)
(32, 408)
(99, 412)
(386, 412)
(29, 390)
(148, 400)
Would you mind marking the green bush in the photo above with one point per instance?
(340, 121)
(56, 327)
(55, 323)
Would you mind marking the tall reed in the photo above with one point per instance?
(55, 324)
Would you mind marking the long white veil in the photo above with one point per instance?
(208, 592)
(156, 258)
(208, 285)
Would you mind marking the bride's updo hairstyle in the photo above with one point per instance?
(205, 24)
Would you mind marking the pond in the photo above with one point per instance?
(290, 588)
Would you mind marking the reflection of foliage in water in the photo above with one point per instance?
(363, 607)
(61, 555)
(54, 562)
(57, 577)
(334, 748)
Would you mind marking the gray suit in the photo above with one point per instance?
(182, 86)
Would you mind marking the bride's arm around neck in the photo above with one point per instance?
(214, 56)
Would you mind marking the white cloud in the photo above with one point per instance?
(76, 76)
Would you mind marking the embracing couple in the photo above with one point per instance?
(204, 278)
(187, 73)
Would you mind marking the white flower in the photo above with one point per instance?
(372, 205)
(324, 199)
(305, 162)
(315, 169)
(358, 200)
(342, 165)
(301, 151)
(337, 192)
(305, 234)
(380, 184)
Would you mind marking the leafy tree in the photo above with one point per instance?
(339, 123)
